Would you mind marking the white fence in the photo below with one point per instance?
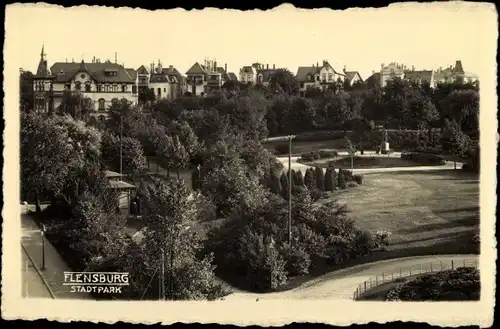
(404, 272)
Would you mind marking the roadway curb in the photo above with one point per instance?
(39, 273)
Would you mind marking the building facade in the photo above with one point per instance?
(102, 83)
(248, 74)
(166, 82)
(207, 78)
(317, 76)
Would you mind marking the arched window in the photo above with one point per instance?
(78, 85)
(114, 101)
(87, 87)
(102, 103)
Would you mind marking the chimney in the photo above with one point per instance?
(215, 66)
(274, 66)
(116, 58)
(66, 60)
(267, 66)
(171, 67)
(382, 66)
(317, 64)
(345, 68)
(225, 67)
(413, 67)
(72, 60)
(373, 71)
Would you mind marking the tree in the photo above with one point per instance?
(53, 152)
(320, 178)
(463, 107)
(453, 140)
(74, 103)
(275, 183)
(146, 95)
(342, 182)
(170, 213)
(133, 159)
(300, 178)
(26, 91)
(329, 185)
(284, 81)
(172, 155)
(309, 179)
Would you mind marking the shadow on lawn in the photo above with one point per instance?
(446, 174)
(467, 221)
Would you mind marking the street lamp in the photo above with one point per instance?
(290, 137)
(42, 233)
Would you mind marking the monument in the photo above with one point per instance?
(384, 147)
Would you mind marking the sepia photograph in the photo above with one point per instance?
(318, 155)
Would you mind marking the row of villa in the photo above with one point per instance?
(107, 82)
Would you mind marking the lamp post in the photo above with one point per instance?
(290, 137)
(42, 233)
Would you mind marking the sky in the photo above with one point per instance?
(427, 36)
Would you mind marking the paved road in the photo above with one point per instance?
(33, 285)
(342, 284)
(302, 167)
(55, 266)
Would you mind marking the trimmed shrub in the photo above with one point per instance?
(423, 158)
(309, 179)
(299, 178)
(342, 182)
(329, 185)
(358, 179)
(324, 154)
(320, 178)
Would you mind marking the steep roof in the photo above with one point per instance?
(352, 74)
(232, 76)
(414, 76)
(64, 72)
(167, 75)
(197, 68)
(266, 73)
(458, 67)
(304, 71)
(142, 70)
(247, 69)
(374, 79)
(132, 73)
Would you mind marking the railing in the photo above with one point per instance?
(405, 272)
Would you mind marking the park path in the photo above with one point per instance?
(449, 165)
(55, 266)
(341, 284)
(33, 284)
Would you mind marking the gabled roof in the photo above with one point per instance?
(64, 72)
(374, 79)
(414, 76)
(42, 70)
(167, 75)
(352, 74)
(266, 73)
(247, 69)
(197, 68)
(132, 73)
(304, 71)
(232, 76)
(142, 70)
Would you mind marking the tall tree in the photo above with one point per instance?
(320, 178)
(26, 91)
(454, 141)
(310, 179)
(133, 159)
(283, 80)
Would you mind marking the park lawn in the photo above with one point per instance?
(427, 212)
(365, 162)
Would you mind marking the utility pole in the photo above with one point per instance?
(121, 145)
(162, 275)
(289, 189)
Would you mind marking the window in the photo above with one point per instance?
(159, 92)
(102, 104)
(323, 76)
(134, 89)
(317, 78)
(78, 85)
(164, 90)
(99, 88)
(124, 88)
(115, 88)
(87, 87)
(301, 85)
(114, 101)
(330, 77)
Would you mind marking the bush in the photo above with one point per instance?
(310, 156)
(324, 154)
(382, 239)
(352, 184)
(319, 136)
(282, 148)
(316, 194)
(297, 260)
(462, 283)
(358, 179)
(342, 182)
(423, 158)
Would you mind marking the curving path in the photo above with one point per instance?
(303, 167)
(341, 284)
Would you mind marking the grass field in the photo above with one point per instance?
(365, 162)
(431, 212)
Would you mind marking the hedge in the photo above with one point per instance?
(316, 155)
(423, 158)
(319, 136)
